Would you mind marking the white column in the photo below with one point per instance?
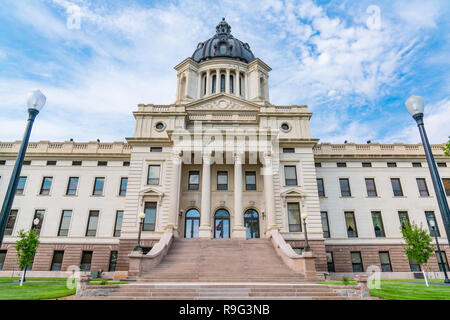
(269, 193)
(246, 93)
(227, 81)
(174, 192)
(236, 83)
(204, 231)
(238, 229)
(217, 80)
(199, 87)
(208, 85)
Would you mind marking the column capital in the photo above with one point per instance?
(238, 157)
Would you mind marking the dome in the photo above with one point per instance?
(223, 45)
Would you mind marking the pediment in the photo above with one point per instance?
(148, 192)
(222, 102)
(293, 192)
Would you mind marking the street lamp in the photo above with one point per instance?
(307, 247)
(415, 107)
(433, 227)
(35, 101)
(141, 223)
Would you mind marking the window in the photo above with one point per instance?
(250, 180)
(442, 164)
(11, 222)
(294, 217)
(2, 162)
(442, 261)
(285, 127)
(367, 164)
(385, 261)
(417, 164)
(86, 258)
(38, 214)
(371, 188)
(2, 258)
(317, 164)
(357, 261)
(423, 189)
(350, 222)
(414, 266)
(222, 180)
(126, 163)
(397, 187)
(156, 149)
(320, 187)
(123, 186)
(65, 223)
(288, 150)
(118, 224)
(231, 83)
(290, 175)
(431, 221)
(21, 185)
(325, 225)
(341, 164)
(378, 224)
(72, 186)
(58, 256)
(392, 164)
(91, 229)
(345, 187)
(77, 163)
(98, 186)
(194, 180)
(46, 185)
(446, 183)
(26, 162)
(403, 217)
(150, 216)
(51, 163)
(330, 261)
(102, 163)
(153, 174)
(222, 83)
(112, 261)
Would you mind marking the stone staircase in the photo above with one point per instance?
(221, 260)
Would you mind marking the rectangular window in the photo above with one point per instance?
(39, 215)
(51, 162)
(385, 261)
(86, 259)
(91, 229)
(294, 217)
(72, 186)
(396, 187)
(222, 180)
(378, 224)
(367, 164)
(330, 261)
(320, 187)
(21, 185)
(123, 186)
(156, 149)
(403, 217)
(98, 186)
(118, 224)
(290, 175)
(194, 180)
(357, 261)
(112, 261)
(317, 164)
(345, 187)
(341, 164)
(414, 266)
(150, 216)
(446, 183)
(417, 164)
(2, 162)
(423, 189)
(46, 185)
(2, 258)
(102, 163)
(11, 222)
(26, 162)
(58, 256)
(77, 163)
(442, 261)
(64, 223)
(442, 164)
(371, 188)
(126, 163)
(431, 221)
(288, 150)
(250, 180)
(153, 174)
(325, 225)
(392, 164)
(352, 231)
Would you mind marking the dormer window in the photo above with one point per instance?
(223, 48)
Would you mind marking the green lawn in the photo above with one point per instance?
(33, 289)
(396, 290)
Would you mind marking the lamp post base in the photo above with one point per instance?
(137, 249)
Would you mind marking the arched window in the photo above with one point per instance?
(204, 85)
(231, 84)
(192, 223)
(222, 83)
(251, 222)
(240, 86)
(221, 224)
(214, 83)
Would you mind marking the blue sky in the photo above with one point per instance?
(354, 71)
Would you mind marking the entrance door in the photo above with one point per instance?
(192, 223)
(251, 222)
(222, 224)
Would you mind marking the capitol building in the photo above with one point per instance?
(224, 186)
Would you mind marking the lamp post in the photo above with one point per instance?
(433, 227)
(307, 247)
(415, 107)
(141, 223)
(35, 101)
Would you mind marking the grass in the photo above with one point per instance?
(33, 288)
(396, 290)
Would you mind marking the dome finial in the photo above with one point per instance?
(223, 27)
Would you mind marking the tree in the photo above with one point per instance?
(26, 249)
(418, 244)
(446, 148)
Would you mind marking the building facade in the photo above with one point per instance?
(221, 162)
